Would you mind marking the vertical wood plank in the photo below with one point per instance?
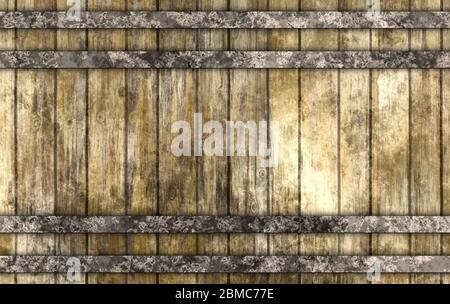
(106, 148)
(390, 142)
(71, 123)
(36, 141)
(445, 142)
(354, 147)
(142, 146)
(7, 149)
(319, 142)
(212, 171)
(284, 109)
(425, 141)
(177, 97)
(249, 182)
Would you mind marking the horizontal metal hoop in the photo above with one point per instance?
(225, 264)
(225, 20)
(224, 224)
(225, 60)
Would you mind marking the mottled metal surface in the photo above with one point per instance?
(226, 224)
(224, 264)
(233, 20)
(225, 59)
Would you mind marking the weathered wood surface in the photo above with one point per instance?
(71, 138)
(445, 142)
(284, 97)
(106, 141)
(248, 102)
(98, 142)
(178, 94)
(354, 141)
(390, 141)
(212, 177)
(141, 141)
(319, 142)
(425, 140)
(8, 147)
(36, 141)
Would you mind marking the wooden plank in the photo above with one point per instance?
(7, 149)
(284, 109)
(445, 142)
(35, 141)
(354, 141)
(390, 141)
(71, 120)
(142, 146)
(248, 102)
(212, 177)
(177, 175)
(425, 141)
(319, 142)
(106, 148)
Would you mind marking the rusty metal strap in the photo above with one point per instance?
(224, 224)
(225, 59)
(224, 264)
(225, 20)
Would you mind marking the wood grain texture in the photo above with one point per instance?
(445, 142)
(142, 146)
(425, 141)
(212, 171)
(35, 141)
(7, 149)
(70, 145)
(284, 109)
(177, 175)
(248, 102)
(390, 141)
(106, 148)
(354, 141)
(319, 142)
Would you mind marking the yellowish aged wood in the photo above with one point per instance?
(445, 142)
(106, 150)
(284, 109)
(319, 142)
(212, 172)
(390, 142)
(71, 131)
(35, 141)
(7, 148)
(425, 141)
(142, 145)
(354, 141)
(177, 175)
(249, 182)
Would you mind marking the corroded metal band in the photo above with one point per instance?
(226, 59)
(224, 224)
(225, 19)
(224, 264)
